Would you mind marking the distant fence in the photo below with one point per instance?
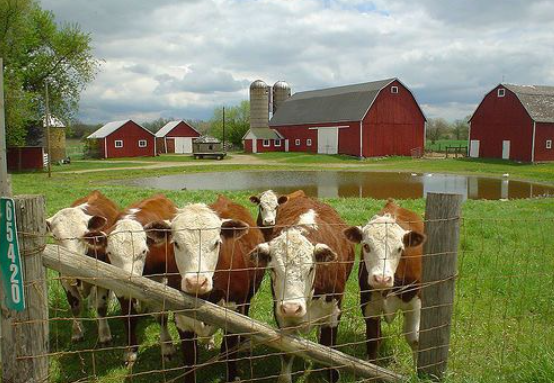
(496, 317)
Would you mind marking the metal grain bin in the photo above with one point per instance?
(259, 104)
(281, 92)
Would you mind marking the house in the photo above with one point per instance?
(124, 139)
(380, 118)
(258, 140)
(514, 122)
(176, 137)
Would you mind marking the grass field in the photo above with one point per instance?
(504, 308)
(439, 145)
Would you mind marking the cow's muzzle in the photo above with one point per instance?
(196, 284)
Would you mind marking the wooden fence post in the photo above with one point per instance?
(442, 226)
(25, 334)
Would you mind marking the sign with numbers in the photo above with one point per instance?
(10, 259)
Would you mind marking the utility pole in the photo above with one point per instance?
(5, 188)
(47, 118)
(223, 130)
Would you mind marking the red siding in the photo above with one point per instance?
(502, 118)
(182, 130)
(544, 132)
(271, 148)
(130, 133)
(25, 158)
(303, 133)
(248, 146)
(394, 124)
(161, 145)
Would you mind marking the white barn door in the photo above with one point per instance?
(474, 148)
(328, 140)
(183, 145)
(505, 150)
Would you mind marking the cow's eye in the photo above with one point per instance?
(176, 245)
(216, 244)
(400, 249)
(367, 249)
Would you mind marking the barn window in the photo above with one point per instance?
(394, 89)
(266, 143)
(118, 143)
(277, 142)
(143, 143)
(501, 92)
(297, 142)
(548, 144)
(309, 142)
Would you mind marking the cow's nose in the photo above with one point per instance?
(195, 283)
(290, 309)
(269, 222)
(382, 280)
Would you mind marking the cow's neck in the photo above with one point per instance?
(266, 231)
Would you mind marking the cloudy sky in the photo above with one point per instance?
(183, 58)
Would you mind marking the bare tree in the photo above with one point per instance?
(436, 129)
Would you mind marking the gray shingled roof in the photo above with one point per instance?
(111, 127)
(344, 103)
(263, 134)
(538, 100)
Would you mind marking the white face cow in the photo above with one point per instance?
(267, 204)
(197, 233)
(383, 242)
(69, 226)
(292, 260)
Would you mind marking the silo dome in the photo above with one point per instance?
(281, 85)
(259, 104)
(281, 92)
(258, 84)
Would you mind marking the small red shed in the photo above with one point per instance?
(261, 140)
(176, 137)
(380, 118)
(514, 122)
(124, 139)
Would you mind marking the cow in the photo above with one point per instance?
(268, 203)
(69, 228)
(390, 272)
(310, 261)
(128, 247)
(211, 245)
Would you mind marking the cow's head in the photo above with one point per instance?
(70, 226)
(383, 243)
(292, 260)
(197, 234)
(267, 204)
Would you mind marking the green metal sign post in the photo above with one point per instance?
(10, 259)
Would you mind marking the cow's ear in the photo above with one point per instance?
(233, 228)
(324, 253)
(158, 232)
(49, 225)
(413, 239)
(96, 223)
(96, 240)
(281, 200)
(254, 199)
(260, 254)
(354, 234)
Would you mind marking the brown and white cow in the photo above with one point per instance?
(69, 228)
(390, 272)
(212, 244)
(268, 203)
(128, 247)
(310, 261)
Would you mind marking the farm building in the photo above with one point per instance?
(124, 139)
(514, 122)
(379, 118)
(258, 140)
(176, 137)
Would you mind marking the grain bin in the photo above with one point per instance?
(57, 139)
(281, 92)
(259, 104)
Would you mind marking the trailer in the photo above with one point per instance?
(208, 147)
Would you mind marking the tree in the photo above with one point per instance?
(36, 49)
(237, 123)
(460, 129)
(157, 124)
(436, 128)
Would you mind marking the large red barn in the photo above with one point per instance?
(380, 118)
(176, 137)
(124, 139)
(514, 122)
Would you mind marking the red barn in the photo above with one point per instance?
(124, 139)
(176, 137)
(514, 122)
(380, 118)
(261, 140)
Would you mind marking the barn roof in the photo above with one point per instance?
(262, 134)
(164, 130)
(538, 100)
(54, 122)
(343, 103)
(111, 127)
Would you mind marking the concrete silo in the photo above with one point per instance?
(259, 104)
(281, 92)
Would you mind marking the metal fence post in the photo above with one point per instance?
(24, 342)
(442, 226)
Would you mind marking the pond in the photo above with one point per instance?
(329, 184)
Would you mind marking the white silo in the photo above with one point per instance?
(259, 104)
(281, 91)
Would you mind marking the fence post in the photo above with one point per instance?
(442, 226)
(24, 342)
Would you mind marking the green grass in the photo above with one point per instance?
(439, 145)
(504, 307)
(306, 158)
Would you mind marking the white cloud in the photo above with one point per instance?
(184, 58)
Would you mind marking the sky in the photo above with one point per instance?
(183, 58)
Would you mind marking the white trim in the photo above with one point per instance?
(361, 140)
(297, 142)
(142, 141)
(308, 142)
(105, 148)
(329, 127)
(548, 144)
(275, 142)
(165, 144)
(533, 146)
(499, 91)
(468, 136)
(268, 143)
(115, 144)
(394, 89)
